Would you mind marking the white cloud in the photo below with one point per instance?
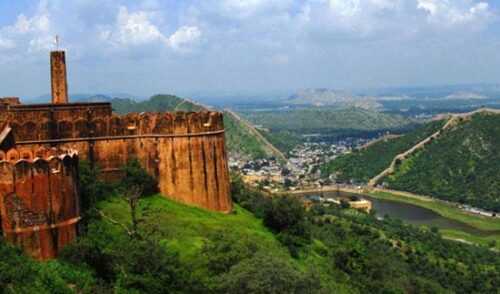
(39, 23)
(449, 13)
(345, 8)
(132, 28)
(184, 37)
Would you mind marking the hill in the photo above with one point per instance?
(454, 159)
(461, 165)
(155, 103)
(327, 97)
(363, 164)
(243, 138)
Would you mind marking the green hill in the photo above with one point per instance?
(239, 139)
(462, 165)
(364, 164)
(155, 103)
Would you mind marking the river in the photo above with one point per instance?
(411, 214)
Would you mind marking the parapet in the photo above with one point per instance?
(39, 199)
(78, 124)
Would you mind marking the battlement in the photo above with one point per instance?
(28, 155)
(39, 200)
(82, 121)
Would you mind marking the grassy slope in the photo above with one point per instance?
(364, 164)
(240, 140)
(447, 210)
(460, 166)
(185, 229)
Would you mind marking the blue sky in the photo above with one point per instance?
(247, 46)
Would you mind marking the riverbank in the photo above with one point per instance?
(489, 225)
(442, 208)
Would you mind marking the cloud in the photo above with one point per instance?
(38, 23)
(457, 12)
(135, 28)
(184, 38)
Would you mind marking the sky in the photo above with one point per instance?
(247, 46)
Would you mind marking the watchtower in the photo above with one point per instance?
(58, 77)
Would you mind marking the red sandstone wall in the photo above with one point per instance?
(39, 201)
(184, 151)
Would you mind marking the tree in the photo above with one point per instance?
(136, 176)
(266, 274)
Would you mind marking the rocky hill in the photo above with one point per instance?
(327, 97)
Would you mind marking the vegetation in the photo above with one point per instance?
(326, 120)
(285, 141)
(286, 128)
(460, 166)
(156, 103)
(267, 245)
(240, 140)
(362, 165)
(488, 229)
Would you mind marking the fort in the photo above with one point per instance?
(184, 151)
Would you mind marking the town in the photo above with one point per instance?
(302, 171)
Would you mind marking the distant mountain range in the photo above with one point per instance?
(82, 97)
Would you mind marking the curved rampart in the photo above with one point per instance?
(184, 151)
(39, 200)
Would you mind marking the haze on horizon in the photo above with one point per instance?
(240, 46)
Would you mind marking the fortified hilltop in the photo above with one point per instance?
(184, 151)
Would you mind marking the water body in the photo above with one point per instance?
(414, 214)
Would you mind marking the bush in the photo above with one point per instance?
(266, 274)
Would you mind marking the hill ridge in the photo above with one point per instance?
(257, 134)
(453, 120)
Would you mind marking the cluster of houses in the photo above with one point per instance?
(302, 171)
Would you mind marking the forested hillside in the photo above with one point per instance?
(462, 165)
(364, 164)
(267, 245)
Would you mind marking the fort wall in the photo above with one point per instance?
(184, 151)
(39, 201)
